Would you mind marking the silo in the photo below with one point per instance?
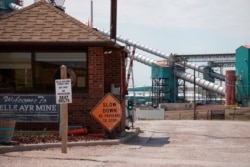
(230, 87)
(242, 65)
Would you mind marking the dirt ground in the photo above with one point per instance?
(203, 112)
(160, 143)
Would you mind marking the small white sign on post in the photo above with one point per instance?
(63, 91)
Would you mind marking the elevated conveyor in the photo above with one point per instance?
(197, 68)
(161, 54)
(185, 76)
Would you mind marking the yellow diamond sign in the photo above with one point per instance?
(108, 112)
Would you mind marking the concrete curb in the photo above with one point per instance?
(28, 147)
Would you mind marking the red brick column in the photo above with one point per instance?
(96, 74)
(115, 70)
(83, 103)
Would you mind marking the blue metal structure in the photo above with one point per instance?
(243, 75)
(5, 5)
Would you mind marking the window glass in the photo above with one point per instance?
(47, 66)
(15, 72)
(19, 74)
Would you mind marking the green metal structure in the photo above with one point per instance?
(243, 75)
(4, 5)
(140, 95)
(207, 74)
(164, 84)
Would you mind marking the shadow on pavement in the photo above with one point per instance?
(148, 141)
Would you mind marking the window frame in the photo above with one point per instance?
(33, 89)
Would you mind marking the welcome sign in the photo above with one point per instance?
(29, 108)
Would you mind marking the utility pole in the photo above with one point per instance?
(91, 12)
(194, 97)
(113, 20)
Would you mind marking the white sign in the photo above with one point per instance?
(63, 91)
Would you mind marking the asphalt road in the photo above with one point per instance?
(160, 144)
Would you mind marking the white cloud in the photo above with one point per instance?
(226, 16)
(177, 26)
(229, 17)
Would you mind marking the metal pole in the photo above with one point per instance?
(133, 85)
(91, 10)
(194, 98)
(184, 81)
(113, 20)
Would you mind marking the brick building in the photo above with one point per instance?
(34, 42)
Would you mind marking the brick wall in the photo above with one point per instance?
(103, 70)
(79, 110)
(114, 70)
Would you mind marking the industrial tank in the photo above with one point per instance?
(242, 64)
(5, 5)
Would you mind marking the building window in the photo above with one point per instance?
(15, 72)
(36, 72)
(47, 64)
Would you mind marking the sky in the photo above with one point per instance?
(171, 26)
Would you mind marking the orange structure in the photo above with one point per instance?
(230, 79)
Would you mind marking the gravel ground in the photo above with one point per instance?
(163, 143)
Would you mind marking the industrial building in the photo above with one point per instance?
(169, 78)
(36, 40)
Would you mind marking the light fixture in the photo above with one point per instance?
(107, 52)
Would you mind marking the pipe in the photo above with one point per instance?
(201, 82)
(160, 54)
(14, 6)
(194, 67)
(141, 47)
(143, 59)
(185, 76)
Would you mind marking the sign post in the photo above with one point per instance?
(63, 97)
(108, 112)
